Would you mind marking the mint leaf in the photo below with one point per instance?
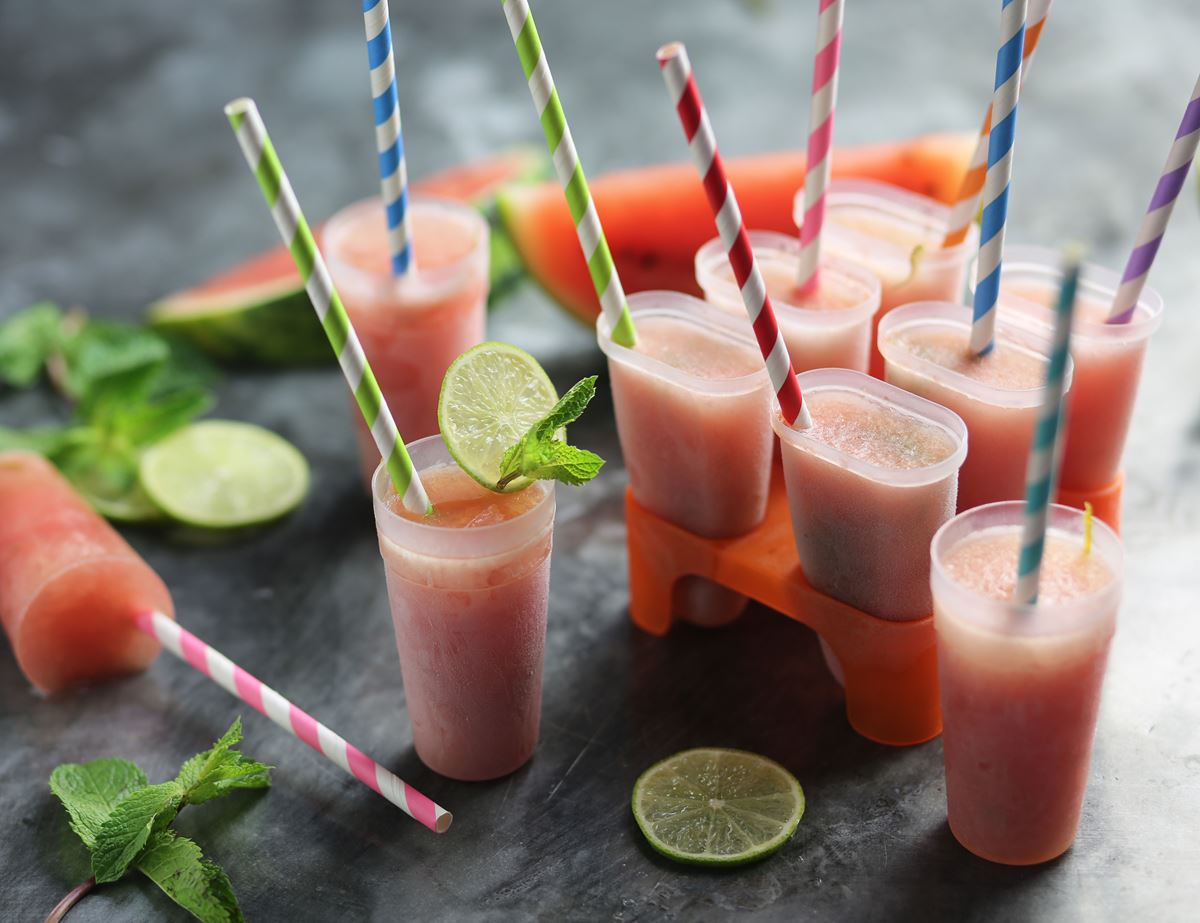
(90, 792)
(102, 349)
(48, 441)
(221, 769)
(27, 339)
(540, 455)
(176, 865)
(125, 832)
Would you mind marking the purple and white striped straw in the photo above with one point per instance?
(297, 722)
(1154, 225)
(389, 142)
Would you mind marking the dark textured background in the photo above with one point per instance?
(119, 181)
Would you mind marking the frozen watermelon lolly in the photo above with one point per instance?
(70, 586)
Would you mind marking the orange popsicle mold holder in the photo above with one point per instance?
(1106, 502)
(890, 668)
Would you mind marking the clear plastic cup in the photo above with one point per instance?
(469, 607)
(696, 439)
(413, 327)
(1020, 685)
(1108, 357)
(829, 329)
(879, 226)
(1000, 414)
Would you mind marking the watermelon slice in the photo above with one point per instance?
(655, 218)
(257, 312)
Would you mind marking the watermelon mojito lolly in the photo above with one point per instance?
(1020, 685)
(897, 235)
(927, 352)
(1108, 357)
(70, 586)
(469, 589)
(414, 326)
(692, 401)
(830, 327)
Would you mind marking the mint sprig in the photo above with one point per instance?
(542, 455)
(127, 385)
(125, 822)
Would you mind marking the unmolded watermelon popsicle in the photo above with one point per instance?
(70, 586)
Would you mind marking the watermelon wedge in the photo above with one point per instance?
(655, 218)
(258, 313)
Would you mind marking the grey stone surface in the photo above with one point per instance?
(119, 180)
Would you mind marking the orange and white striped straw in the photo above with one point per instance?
(966, 204)
(820, 136)
(297, 722)
(685, 97)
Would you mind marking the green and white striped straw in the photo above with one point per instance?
(277, 190)
(570, 172)
(1046, 448)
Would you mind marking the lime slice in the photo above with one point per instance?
(133, 506)
(218, 474)
(491, 395)
(717, 807)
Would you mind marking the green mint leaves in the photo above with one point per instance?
(128, 387)
(542, 455)
(126, 822)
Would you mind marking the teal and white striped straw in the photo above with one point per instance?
(277, 190)
(570, 172)
(1046, 448)
(389, 141)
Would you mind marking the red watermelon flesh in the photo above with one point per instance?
(655, 218)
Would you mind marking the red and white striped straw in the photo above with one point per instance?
(820, 135)
(677, 72)
(258, 695)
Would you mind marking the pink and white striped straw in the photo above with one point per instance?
(1154, 225)
(820, 136)
(258, 695)
(677, 72)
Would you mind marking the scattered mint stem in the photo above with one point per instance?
(125, 822)
(541, 455)
(73, 897)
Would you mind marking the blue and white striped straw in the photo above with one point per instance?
(1046, 448)
(999, 173)
(393, 174)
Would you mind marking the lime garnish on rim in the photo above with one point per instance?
(491, 395)
(713, 806)
(219, 474)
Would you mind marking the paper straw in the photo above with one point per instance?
(999, 173)
(1046, 448)
(277, 190)
(389, 141)
(1154, 225)
(570, 172)
(261, 697)
(966, 205)
(820, 136)
(685, 97)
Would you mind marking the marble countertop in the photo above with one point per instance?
(120, 181)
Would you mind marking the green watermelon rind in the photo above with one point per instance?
(270, 324)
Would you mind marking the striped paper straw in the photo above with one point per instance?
(570, 172)
(1046, 448)
(277, 190)
(297, 722)
(389, 141)
(820, 135)
(999, 173)
(677, 72)
(1154, 225)
(962, 215)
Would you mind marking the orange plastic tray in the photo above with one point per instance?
(890, 668)
(1106, 502)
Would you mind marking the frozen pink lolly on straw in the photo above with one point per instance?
(1154, 225)
(820, 136)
